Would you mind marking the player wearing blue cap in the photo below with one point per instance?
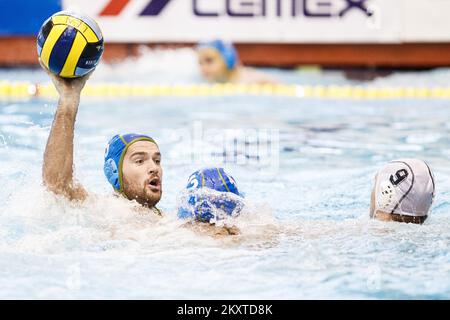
(133, 168)
(219, 62)
(211, 195)
(132, 161)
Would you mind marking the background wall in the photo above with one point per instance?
(392, 33)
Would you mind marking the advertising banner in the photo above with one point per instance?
(25, 17)
(249, 21)
(260, 21)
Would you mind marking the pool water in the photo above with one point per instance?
(305, 231)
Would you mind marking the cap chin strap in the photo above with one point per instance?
(157, 211)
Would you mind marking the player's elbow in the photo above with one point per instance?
(59, 186)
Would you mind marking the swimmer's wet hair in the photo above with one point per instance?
(408, 219)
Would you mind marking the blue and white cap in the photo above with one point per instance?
(212, 194)
(114, 154)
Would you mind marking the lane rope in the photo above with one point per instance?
(27, 90)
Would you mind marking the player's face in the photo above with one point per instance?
(212, 65)
(142, 173)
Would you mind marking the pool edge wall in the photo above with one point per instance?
(21, 51)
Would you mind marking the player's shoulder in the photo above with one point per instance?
(253, 76)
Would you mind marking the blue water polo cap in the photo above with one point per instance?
(227, 51)
(211, 191)
(114, 154)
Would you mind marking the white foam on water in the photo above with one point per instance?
(152, 65)
(37, 221)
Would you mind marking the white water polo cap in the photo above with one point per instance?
(405, 187)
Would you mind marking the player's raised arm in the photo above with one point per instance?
(69, 46)
(57, 170)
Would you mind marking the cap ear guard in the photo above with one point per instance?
(387, 196)
(230, 55)
(112, 173)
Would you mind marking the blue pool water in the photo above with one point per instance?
(305, 232)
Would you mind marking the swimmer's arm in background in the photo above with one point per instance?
(57, 171)
(212, 229)
(252, 76)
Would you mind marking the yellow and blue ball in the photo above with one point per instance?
(70, 44)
